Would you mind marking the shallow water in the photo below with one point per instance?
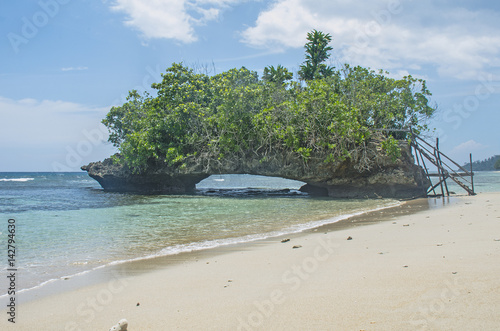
(66, 224)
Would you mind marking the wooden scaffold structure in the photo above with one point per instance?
(425, 151)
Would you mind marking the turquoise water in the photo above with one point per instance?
(66, 224)
(484, 181)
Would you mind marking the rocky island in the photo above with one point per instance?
(388, 179)
(344, 132)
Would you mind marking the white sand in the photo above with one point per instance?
(433, 270)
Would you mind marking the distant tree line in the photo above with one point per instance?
(489, 164)
(327, 113)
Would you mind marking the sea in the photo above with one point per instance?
(67, 225)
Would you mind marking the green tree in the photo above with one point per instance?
(497, 164)
(316, 53)
(279, 75)
(484, 165)
(123, 120)
(199, 121)
(383, 102)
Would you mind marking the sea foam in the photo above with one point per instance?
(16, 179)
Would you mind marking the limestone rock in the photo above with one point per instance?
(117, 178)
(384, 179)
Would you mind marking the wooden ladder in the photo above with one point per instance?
(424, 150)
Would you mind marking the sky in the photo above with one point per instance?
(65, 63)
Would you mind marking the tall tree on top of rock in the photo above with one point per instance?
(279, 75)
(316, 53)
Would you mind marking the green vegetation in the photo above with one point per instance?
(489, 164)
(316, 53)
(327, 115)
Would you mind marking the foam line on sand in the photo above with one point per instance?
(432, 270)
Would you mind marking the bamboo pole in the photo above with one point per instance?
(456, 164)
(471, 175)
(439, 166)
(443, 170)
(418, 148)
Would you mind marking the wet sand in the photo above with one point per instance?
(414, 267)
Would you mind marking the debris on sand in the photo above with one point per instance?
(122, 325)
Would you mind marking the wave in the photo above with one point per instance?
(210, 244)
(16, 179)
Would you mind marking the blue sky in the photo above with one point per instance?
(64, 63)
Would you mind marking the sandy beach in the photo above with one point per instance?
(436, 269)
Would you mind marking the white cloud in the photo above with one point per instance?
(393, 35)
(470, 146)
(74, 68)
(282, 26)
(170, 19)
(461, 152)
(32, 121)
(50, 135)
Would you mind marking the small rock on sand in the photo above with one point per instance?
(122, 325)
(297, 246)
(285, 240)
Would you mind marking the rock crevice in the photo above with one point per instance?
(385, 179)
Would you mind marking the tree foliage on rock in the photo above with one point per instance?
(279, 75)
(317, 52)
(200, 119)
